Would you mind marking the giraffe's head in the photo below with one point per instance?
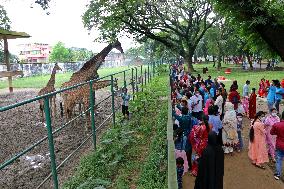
(56, 67)
(117, 45)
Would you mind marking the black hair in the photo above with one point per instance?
(283, 115)
(184, 110)
(175, 126)
(205, 120)
(251, 131)
(248, 82)
(211, 110)
(272, 109)
(188, 95)
(179, 161)
(253, 89)
(239, 114)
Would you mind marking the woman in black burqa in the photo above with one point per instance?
(211, 166)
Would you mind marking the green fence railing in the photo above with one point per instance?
(137, 81)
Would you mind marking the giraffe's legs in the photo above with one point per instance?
(41, 110)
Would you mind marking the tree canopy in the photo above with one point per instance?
(178, 25)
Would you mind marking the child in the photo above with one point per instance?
(180, 170)
(245, 103)
(239, 131)
(125, 102)
(252, 104)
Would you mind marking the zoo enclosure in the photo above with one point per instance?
(140, 76)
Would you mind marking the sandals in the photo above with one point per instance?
(260, 166)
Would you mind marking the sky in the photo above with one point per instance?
(64, 23)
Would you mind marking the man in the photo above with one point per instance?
(196, 101)
(278, 130)
(246, 89)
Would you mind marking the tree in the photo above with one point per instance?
(261, 20)
(4, 19)
(59, 53)
(178, 25)
(79, 54)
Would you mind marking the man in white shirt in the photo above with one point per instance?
(196, 101)
(246, 89)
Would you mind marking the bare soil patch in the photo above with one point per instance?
(22, 127)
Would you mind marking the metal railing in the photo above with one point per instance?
(146, 74)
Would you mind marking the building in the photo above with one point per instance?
(114, 60)
(34, 52)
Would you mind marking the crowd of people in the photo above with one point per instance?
(209, 120)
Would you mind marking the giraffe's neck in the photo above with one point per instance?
(51, 81)
(97, 60)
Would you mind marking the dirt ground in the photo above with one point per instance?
(239, 173)
(22, 127)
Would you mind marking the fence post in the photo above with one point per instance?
(132, 78)
(154, 63)
(142, 79)
(124, 79)
(50, 142)
(149, 74)
(145, 77)
(112, 101)
(92, 104)
(136, 79)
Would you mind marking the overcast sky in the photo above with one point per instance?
(64, 23)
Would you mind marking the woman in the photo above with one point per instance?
(252, 104)
(211, 166)
(229, 132)
(262, 88)
(234, 98)
(198, 139)
(269, 121)
(271, 95)
(257, 147)
(219, 101)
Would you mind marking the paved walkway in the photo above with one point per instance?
(240, 174)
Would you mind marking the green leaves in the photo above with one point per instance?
(4, 19)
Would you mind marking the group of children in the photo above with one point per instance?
(203, 106)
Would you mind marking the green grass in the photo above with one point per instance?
(41, 80)
(240, 75)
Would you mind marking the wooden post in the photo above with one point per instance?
(6, 54)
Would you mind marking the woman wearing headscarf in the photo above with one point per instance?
(257, 146)
(211, 165)
(229, 132)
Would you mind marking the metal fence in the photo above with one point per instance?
(134, 78)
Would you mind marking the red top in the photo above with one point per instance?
(278, 130)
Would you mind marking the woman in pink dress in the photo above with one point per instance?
(209, 102)
(271, 139)
(257, 147)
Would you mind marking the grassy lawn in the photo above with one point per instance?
(41, 80)
(240, 75)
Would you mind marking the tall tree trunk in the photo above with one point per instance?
(219, 62)
(188, 61)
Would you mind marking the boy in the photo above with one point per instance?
(180, 170)
(125, 102)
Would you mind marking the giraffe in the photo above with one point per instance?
(82, 95)
(48, 89)
(86, 73)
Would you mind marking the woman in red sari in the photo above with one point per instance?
(198, 138)
(262, 88)
(252, 104)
